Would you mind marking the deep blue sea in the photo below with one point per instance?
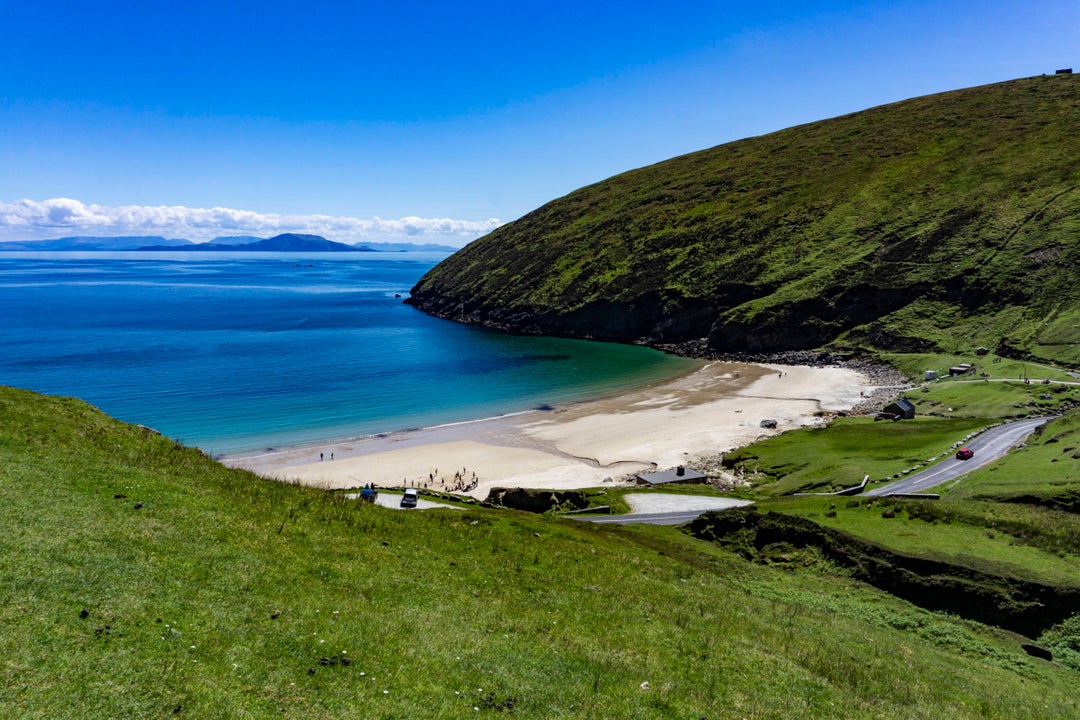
(237, 352)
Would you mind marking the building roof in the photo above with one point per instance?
(661, 477)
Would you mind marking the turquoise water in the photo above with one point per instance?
(234, 353)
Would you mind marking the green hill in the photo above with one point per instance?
(934, 224)
(142, 579)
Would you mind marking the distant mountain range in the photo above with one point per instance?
(132, 242)
(286, 242)
(410, 247)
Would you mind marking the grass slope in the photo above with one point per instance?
(1045, 473)
(839, 455)
(142, 579)
(937, 223)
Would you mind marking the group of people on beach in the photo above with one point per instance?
(460, 483)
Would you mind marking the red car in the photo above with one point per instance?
(964, 454)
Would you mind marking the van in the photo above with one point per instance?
(408, 500)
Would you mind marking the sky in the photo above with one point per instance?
(439, 121)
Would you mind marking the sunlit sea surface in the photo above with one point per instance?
(237, 352)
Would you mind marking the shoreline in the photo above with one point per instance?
(469, 428)
(590, 443)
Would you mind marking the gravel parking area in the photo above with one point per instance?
(667, 502)
(393, 501)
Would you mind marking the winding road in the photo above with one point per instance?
(988, 447)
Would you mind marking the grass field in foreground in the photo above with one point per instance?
(143, 580)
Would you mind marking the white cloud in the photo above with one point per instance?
(36, 220)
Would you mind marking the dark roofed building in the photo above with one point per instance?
(901, 409)
(666, 477)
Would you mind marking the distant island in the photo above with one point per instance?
(286, 242)
(126, 242)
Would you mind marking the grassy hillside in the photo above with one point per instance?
(934, 224)
(142, 579)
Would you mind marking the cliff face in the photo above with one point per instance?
(940, 221)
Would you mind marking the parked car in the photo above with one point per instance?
(408, 500)
(965, 454)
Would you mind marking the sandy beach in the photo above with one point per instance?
(716, 408)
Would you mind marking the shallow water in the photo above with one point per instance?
(238, 352)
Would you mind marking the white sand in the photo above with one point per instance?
(712, 410)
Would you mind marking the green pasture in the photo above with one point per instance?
(992, 398)
(993, 366)
(142, 579)
(840, 454)
(1046, 471)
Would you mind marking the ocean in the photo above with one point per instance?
(237, 352)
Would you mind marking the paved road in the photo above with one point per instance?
(988, 447)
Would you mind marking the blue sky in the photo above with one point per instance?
(437, 121)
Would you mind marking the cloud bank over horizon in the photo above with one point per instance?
(25, 220)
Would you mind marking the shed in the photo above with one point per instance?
(962, 369)
(901, 409)
(679, 475)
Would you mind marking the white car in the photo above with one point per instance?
(408, 500)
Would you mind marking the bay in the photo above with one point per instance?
(240, 352)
